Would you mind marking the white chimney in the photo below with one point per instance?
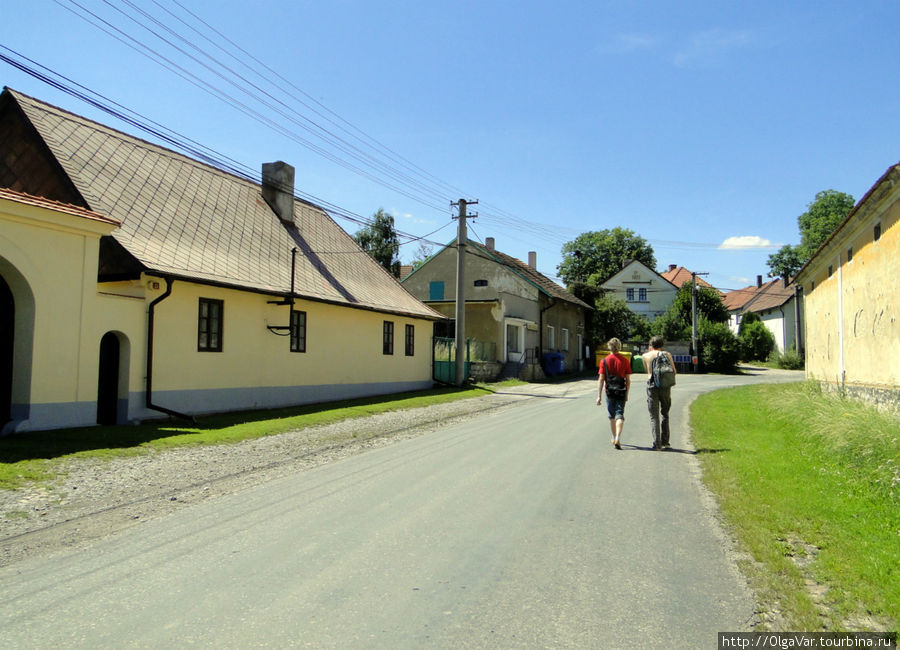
(532, 259)
(278, 189)
(489, 243)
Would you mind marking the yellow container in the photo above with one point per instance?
(602, 354)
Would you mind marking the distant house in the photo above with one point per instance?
(852, 299)
(518, 312)
(774, 302)
(646, 292)
(136, 281)
(678, 275)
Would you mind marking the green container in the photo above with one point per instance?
(637, 364)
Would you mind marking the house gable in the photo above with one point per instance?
(27, 165)
(646, 292)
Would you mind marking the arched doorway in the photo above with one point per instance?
(7, 346)
(108, 380)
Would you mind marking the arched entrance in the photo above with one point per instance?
(7, 346)
(108, 380)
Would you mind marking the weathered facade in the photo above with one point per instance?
(145, 283)
(851, 298)
(519, 313)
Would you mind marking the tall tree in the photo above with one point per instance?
(380, 240)
(594, 257)
(785, 263)
(822, 216)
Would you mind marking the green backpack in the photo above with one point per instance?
(662, 372)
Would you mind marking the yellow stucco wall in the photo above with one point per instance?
(344, 346)
(853, 313)
(50, 259)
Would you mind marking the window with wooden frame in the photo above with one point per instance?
(209, 325)
(298, 331)
(410, 340)
(387, 339)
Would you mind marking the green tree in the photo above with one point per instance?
(594, 257)
(822, 216)
(757, 342)
(785, 263)
(709, 304)
(719, 347)
(380, 240)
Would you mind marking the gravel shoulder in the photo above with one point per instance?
(94, 498)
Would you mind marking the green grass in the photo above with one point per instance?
(37, 456)
(810, 485)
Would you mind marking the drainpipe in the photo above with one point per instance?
(150, 320)
(541, 333)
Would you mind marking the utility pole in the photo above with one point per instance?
(461, 241)
(695, 352)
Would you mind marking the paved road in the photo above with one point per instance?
(519, 529)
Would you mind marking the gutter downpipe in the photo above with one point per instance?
(151, 312)
(541, 334)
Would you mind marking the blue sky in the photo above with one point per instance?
(699, 125)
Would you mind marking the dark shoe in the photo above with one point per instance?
(618, 446)
(666, 446)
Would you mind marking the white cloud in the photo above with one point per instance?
(705, 46)
(411, 218)
(746, 241)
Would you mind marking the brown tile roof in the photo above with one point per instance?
(735, 300)
(679, 275)
(771, 295)
(56, 206)
(544, 283)
(184, 218)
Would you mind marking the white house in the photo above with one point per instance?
(644, 290)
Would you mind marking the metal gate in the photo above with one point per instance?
(444, 360)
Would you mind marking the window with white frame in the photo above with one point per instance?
(564, 335)
(629, 295)
(642, 294)
(551, 337)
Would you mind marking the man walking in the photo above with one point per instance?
(615, 380)
(660, 367)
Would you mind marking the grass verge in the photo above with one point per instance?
(810, 485)
(36, 456)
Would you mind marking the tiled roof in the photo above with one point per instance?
(547, 285)
(188, 219)
(735, 300)
(56, 206)
(679, 275)
(771, 295)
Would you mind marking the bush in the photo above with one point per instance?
(790, 359)
(757, 342)
(719, 347)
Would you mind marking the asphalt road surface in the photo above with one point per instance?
(522, 528)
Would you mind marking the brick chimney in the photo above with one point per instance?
(489, 243)
(672, 267)
(278, 189)
(532, 259)
(758, 281)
